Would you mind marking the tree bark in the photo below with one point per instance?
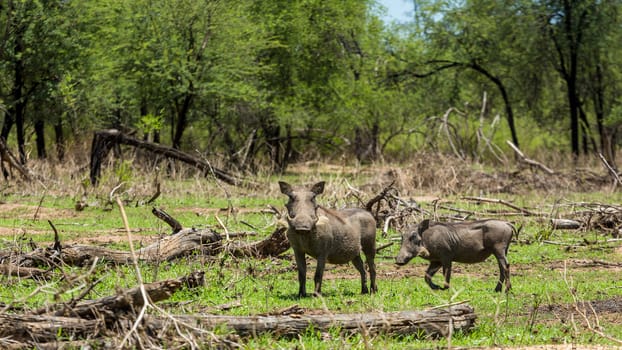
(40, 138)
(60, 140)
(435, 322)
(18, 105)
(182, 119)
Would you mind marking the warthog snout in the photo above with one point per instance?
(302, 222)
(402, 259)
(404, 256)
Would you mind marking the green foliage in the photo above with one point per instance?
(149, 123)
(256, 83)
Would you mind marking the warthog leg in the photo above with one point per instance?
(372, 274)
(446, 273)
(504, 273)
(432, 269)
(319, 273)
(301, 264)
(369, 249)
(360, 267)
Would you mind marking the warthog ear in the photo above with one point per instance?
(318, 187)
(424, 225)
(285, 187)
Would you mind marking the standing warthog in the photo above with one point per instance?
(464, 242)
(334, 236)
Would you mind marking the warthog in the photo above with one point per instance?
(464, 242)
(334, 236)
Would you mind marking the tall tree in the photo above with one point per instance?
(477, 36)
(569, 25)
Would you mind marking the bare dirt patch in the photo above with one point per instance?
(22, 211)
(613, 305)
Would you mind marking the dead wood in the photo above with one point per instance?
(565, 224)
(436, 322)
(6, 156)
(273, 245)
(379, 197)
(183, 243)
(164, 216)
(88, 319)
(99, 319)
(501, 201)
(156, 194)
(611, 171)
(384, 246)
(128, 300)
(31, 329)
(530, 162)
(105, 140)
(9, 269)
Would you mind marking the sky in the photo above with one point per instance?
(397, 9)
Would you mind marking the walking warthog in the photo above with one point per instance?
(334, 236)
(464, 242)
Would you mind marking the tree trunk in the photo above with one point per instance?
(40, 139)
(569, 73)
(272, 135)
(60, 140)
(506, 100)
(606, 134)
(182, 119)
(9, 120)
(574, 115)
(18, 106)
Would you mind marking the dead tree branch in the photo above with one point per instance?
(105, 140)
(501, 201)
(528, 161)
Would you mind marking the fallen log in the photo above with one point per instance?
(126, 301)
(105, 140)
(46, 328)
(274, 245)
(183, 243)
(91, 318)
(565, 224)
(434, 322)
(9, 269)
(106, 317)
(166, 217)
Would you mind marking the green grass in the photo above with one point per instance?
(547, 268)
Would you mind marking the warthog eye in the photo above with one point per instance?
(415, 239)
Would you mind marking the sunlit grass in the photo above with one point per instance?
(547, 265)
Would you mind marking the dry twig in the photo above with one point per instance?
(528, 161)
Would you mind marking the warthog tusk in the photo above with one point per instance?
(322, 220)
(423, 252)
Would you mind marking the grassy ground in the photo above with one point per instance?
(567, 285)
